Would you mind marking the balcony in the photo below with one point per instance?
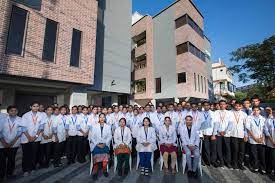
(141, 50)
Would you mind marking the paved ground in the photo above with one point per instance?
(80, 173)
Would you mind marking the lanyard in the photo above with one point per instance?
(101, 128)
(34, 119)
(86, 119)
(222, 117)
(146, 133)
(74, 119)
(122, 133)
(116, 117)
(195, 116)
(49, 122)
(237, 117)
(167, 132)
(135, 120)
(147, 115)
(257, 123)
(206, 114)
(11, 126)
(159, 117)
(63, 120)
(180, 115)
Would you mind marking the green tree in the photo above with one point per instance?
(256, 62)
(240, 95)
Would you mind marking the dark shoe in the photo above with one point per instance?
(120, 173)
(95, 177)
(189, 174)
(241, 167)
(69, 162)
(194, 174)
(105, 174)
(229, 167)
(215, 164)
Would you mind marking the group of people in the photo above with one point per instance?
(230, 135)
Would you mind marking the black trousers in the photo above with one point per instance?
(81, 149)
(258, 156)
(207, 149)
(224, 150)
(270, 160)
(71, 148)
(30, 154)
(238, 150)
(134, 151)
(46, 150)
(7, 161)
(123, 159)
(58, 152)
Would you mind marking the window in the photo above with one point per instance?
(202, 88)
(158, 85)
(15, 41)
(50, 40)
(205, 84)
(182, 48)
(181, 21)
(35, 4)
(75, 49)
(140, 86)
(107, 101)
(195, 81)
(182, 77)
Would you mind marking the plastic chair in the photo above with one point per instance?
(115, 158)
(161, 161)
(184, 158)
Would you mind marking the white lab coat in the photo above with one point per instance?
(167, 136)
(174, 118)
(71, 124)
(135, 124)
(109, 119)
(9, 131)
(198, 118)
(116, 117)
(93, 119)
(270, 124)
(82, 123)
(58, 127)
(223, 120)
(151, 138)
(97, 137)
(208, 117)
(126, 136)
(194, 139)
(32, 123)
(259, 129)
(238, 125)
(48, 131)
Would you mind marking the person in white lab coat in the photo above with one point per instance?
(32, 127)
(174, 116)
(209, 150)
(122, 146)
(270, 141)
(197, 116)
(9, 141)
(59, 135)
(190, 141)
(100, 145)
(257, 130)
(71, 134)
(82, 134)
(168, 144)
(223, 120)
(238, 136)
(46, 144)
(146, 145)
(115, 117)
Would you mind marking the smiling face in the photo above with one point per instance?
(146, 122)
(167, 121)
(35, 107)
(49, 111)
(13, 112)
(101, 118)
(122, 122)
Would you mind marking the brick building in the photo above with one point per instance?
(45, 50)
(64, 51)
(169, 55)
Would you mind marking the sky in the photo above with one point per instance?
(229, 24)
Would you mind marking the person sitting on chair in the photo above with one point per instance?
(122, 139)
(146, 145)
(168, 145)
(100, 142)
(190, 138)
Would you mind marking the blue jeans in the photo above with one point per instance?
(145, 159)
(192, 166)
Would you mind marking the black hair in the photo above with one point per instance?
(11, 107)
(256, 107)
(34, 102)
(150, 123)
(123, 119)
(63, 107)
(84, 107)
(238, 103)
(188, 116)
(222, 101)
(147, 105)
(205, 102)
(49, 107)
(167, 117)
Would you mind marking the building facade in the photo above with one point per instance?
(222, 81)
(168, 56)
(45, 50)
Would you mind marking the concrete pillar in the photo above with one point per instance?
(78, 99)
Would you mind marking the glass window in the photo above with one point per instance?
(50, 40)
(182, 77)
(158, 85)
(75, 48)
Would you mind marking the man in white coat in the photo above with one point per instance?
(9, 143)
(190, 143)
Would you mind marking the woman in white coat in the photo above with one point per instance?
(168, 144)
(100, 145)
(122, 146)
(146, 145)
